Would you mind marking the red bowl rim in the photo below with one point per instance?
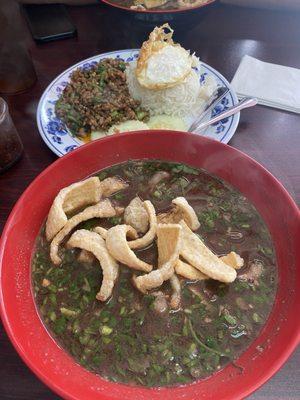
(171, 11)
(294, 339)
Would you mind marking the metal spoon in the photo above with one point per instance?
(245, 103)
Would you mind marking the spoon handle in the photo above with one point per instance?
(245, 103)
(214, 100)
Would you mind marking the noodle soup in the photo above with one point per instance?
(140, 337)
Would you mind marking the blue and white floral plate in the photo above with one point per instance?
(60, 140)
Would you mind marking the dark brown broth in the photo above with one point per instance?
(125, 339)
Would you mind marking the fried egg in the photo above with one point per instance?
(161, 63)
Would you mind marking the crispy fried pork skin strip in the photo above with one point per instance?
(170, 217)
(168, 244)
(118, 246)
(150, 235)
(176, 292)
(112, 185)
(101, 231)
(103, 209)
(182, 210)
(70, 199)
(136, 215)
(188, 213)
(199, 256)
(233, 260)
(189, 272)
(93, 243)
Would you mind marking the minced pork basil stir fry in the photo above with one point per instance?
(137, 338)
(97, 98)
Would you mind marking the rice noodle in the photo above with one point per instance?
(185, 99)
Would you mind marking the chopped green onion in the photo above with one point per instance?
(52, 316)
(230, 319)
(106, 330)
(102, 175)
(256, 318)
(106, 340)
(201, 343)
(122, 310)
(86, 285)
(68, 313)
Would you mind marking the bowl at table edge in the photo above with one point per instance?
(151, 11)
(54, 366)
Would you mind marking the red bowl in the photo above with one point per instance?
(175, 10)
(56, 368)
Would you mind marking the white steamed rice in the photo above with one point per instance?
(184, 99)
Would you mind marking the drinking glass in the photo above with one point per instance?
(17, 72)
(11, 147)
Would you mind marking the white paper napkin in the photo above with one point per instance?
(273, 85)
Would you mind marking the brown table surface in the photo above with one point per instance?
(220, 36)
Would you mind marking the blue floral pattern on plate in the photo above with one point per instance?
(60, 140)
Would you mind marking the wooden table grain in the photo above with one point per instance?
(221, 36)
